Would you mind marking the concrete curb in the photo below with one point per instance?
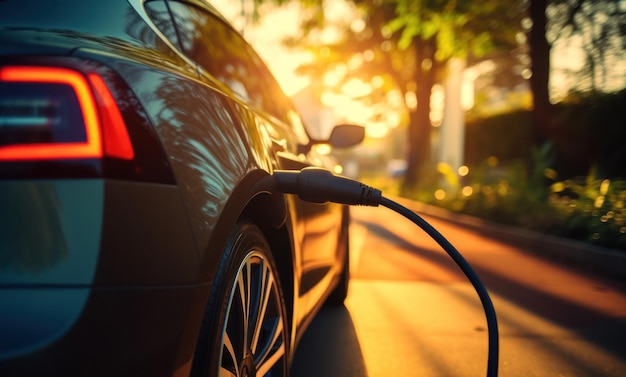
(589, 257)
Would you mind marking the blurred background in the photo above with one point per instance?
(512, 111)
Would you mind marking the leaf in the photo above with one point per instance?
(397, 24)
(557, 187)
(407, 36)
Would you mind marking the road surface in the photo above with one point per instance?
(411, 312)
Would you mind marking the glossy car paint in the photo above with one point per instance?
(105, 266)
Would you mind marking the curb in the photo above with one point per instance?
(588, 257)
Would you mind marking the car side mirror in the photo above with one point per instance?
(342, 136)
(346, 135)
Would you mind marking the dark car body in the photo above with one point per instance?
(107, 260)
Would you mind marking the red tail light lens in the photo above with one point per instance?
(49, 113)
(116, 141)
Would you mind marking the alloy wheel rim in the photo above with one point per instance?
(253, 338)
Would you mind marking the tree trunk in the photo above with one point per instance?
(539, 82)
(419, 130)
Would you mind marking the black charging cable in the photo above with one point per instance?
(321, 186)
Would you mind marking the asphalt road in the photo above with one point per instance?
(411, 312)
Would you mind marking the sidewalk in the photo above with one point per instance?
(589, 257)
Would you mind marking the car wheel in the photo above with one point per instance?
(244, 332)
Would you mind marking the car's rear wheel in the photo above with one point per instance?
(244, 332)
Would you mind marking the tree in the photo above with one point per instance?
(600, 28)
(408, 42)
(540, 66)
(438, 31)
(367, 49)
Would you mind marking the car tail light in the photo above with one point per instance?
(52, 113)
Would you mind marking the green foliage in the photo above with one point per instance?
(513, 183)
(509, 186)
(460, 27)
(593, 210)
(514, 193)
(589, 209)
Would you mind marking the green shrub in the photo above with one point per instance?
(593, 210)
(512, 182)
(589, 209)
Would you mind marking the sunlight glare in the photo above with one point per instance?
(323, 149)
(357, 25)
(463, 170)
(265, 37)
(347, 108)
(330, 99)
(377, 82)
(440, 194)
(467, 191)
(410, 98)
(330, 35)
(392, 118)
(355, 61)
(437, 102)
(376, 130)
(334, 77)
(356, 88)
(394, 98)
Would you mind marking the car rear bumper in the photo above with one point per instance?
(76, 331)
(95, 279)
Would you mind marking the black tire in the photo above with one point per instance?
(244, 330)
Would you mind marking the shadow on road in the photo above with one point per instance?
(588, 321)
(330, 347)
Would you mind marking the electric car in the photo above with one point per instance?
(140, 229)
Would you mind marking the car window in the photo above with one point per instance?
(222, 53)
(219, 50)
(225, 55)
(160, 15)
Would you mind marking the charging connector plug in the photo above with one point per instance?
(321, 186)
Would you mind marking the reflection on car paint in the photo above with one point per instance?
(49, 232)
(209, 159)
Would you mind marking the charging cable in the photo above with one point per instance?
(321, 186)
